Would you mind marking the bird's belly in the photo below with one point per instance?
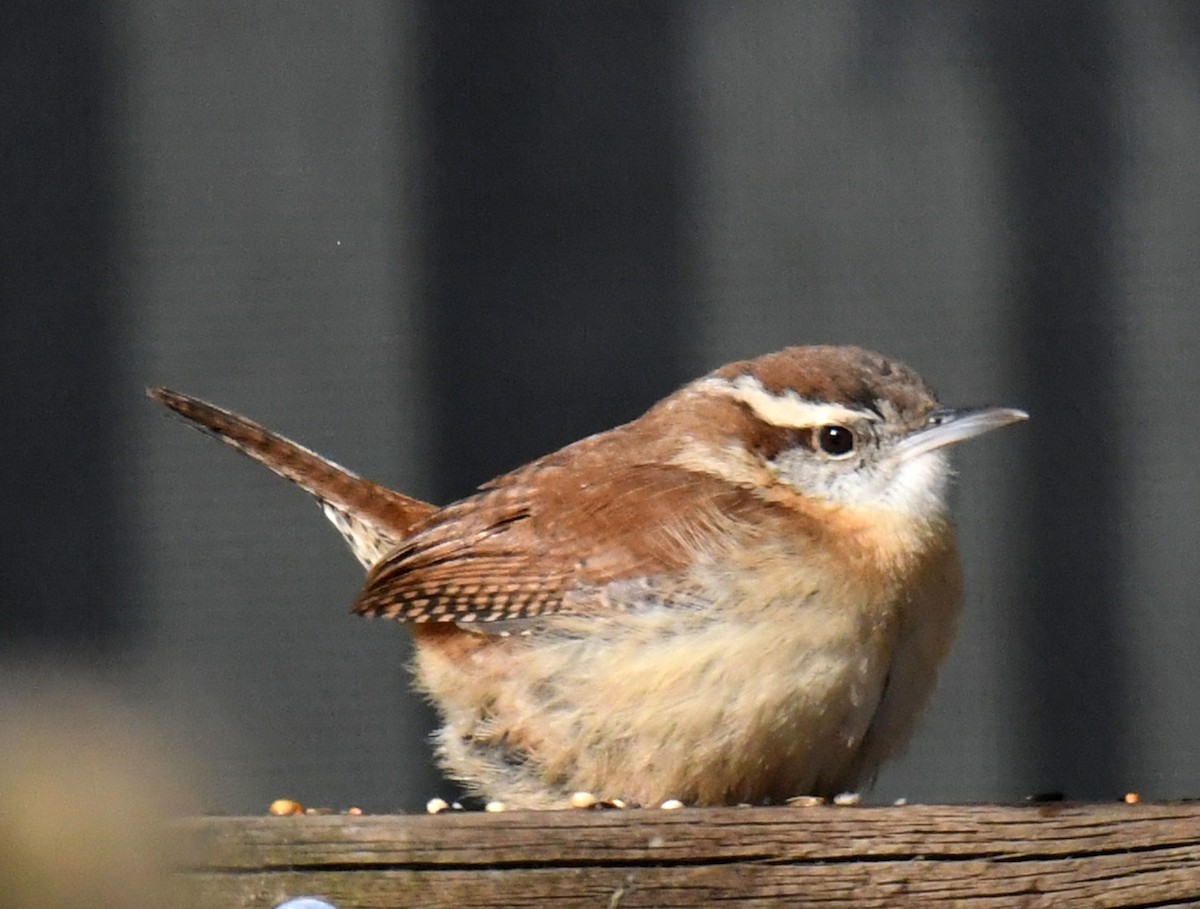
(666, 703)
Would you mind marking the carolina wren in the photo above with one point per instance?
(741, 596)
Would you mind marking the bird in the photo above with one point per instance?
(744, 595)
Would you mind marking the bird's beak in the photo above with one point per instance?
(949, 427)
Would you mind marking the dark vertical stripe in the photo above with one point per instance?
(554, 223)
(1055, 68)
(60, 553)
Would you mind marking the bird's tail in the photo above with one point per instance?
(372, 518)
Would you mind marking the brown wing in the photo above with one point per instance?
(546, 538)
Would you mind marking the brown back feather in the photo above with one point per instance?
(543, 540)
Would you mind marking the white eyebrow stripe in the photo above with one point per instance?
(789, 409)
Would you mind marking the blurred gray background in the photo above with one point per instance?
(435, 239)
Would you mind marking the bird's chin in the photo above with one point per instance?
(919, 486)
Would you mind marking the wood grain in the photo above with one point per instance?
(971, 856)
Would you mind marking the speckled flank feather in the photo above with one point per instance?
(512, 552)
(372, 518)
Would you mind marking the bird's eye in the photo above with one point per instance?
(835, 441)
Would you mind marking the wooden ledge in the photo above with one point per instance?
(1051, 855)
